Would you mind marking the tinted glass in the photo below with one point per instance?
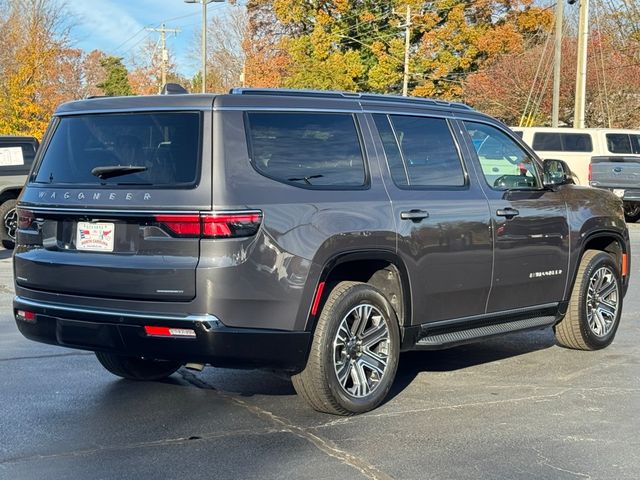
(545, 141)
(562, 142)
(16, 157)
(505, 164)
(391, 150)
(623, 143)
(576, 142)
(309, 149)
(518, 133)
(164, 147)
(428, 150)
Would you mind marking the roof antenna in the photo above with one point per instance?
(173, 89)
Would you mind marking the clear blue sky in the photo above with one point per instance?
(117, 26)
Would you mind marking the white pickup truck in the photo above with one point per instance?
(621, 175)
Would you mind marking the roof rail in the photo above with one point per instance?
(350, 95)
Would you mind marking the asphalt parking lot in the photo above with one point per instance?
(516, 407)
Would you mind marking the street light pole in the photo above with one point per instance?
(203, 73)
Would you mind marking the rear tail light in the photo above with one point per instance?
(212, 225)
(590, 171)
(25, 218)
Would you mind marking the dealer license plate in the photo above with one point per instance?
(618, 192)
(95, 237)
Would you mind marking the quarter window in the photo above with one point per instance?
(307, 149)
(505, 165)
(420, 151)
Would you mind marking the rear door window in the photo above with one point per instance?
(421, 151)
(312, 150)
(153, 149)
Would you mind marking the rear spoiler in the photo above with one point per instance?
(620, 159)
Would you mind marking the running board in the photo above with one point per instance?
(440, 340)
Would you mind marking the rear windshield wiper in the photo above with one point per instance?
(110, 171)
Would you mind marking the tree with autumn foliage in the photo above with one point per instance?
(359, 45)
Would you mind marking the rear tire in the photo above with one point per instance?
(632, 211)
(137, 368)
(354, 354)
(595, 307)
(9, 219)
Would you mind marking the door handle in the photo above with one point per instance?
(414, 215)
(507, 212)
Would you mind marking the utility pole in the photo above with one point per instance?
(407, 44)
(164, 59)
(581, 75)
(557, 61)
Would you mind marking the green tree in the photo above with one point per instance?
(116, 82)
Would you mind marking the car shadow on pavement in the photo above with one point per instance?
(4, 254)
(465, 356)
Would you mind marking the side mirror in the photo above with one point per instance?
(556, 172)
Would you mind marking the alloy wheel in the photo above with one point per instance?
(361, 350)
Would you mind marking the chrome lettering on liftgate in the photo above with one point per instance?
(112, 196)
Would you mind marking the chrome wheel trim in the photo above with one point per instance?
(10, 222)
(602, 301)
(361, 350)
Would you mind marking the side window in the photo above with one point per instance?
(392, 151)
(623, 143)
(307, 149)
(547, 142)
(504, 163)
(421, 151)
(576, 142)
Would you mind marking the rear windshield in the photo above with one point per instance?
(562, 142)
(16, 157)
(155, 149)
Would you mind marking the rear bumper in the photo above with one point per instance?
(124, 333)
(630, 194)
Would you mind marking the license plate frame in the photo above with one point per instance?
(95, 236)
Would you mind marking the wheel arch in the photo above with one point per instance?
(382, 269)
(608, 241)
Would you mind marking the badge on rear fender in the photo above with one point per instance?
(95, 237)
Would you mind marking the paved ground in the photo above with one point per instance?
(519, 407)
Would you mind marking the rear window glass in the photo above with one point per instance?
(16, 157)
(623, 143)
(562, 142)
(155, 149)
(429, 152)
(307, 149)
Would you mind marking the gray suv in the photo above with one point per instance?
(316, 233)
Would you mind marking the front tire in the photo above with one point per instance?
(595, 307)
(632, 211)
(9, 219)
(136, 368)
(354, 354)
